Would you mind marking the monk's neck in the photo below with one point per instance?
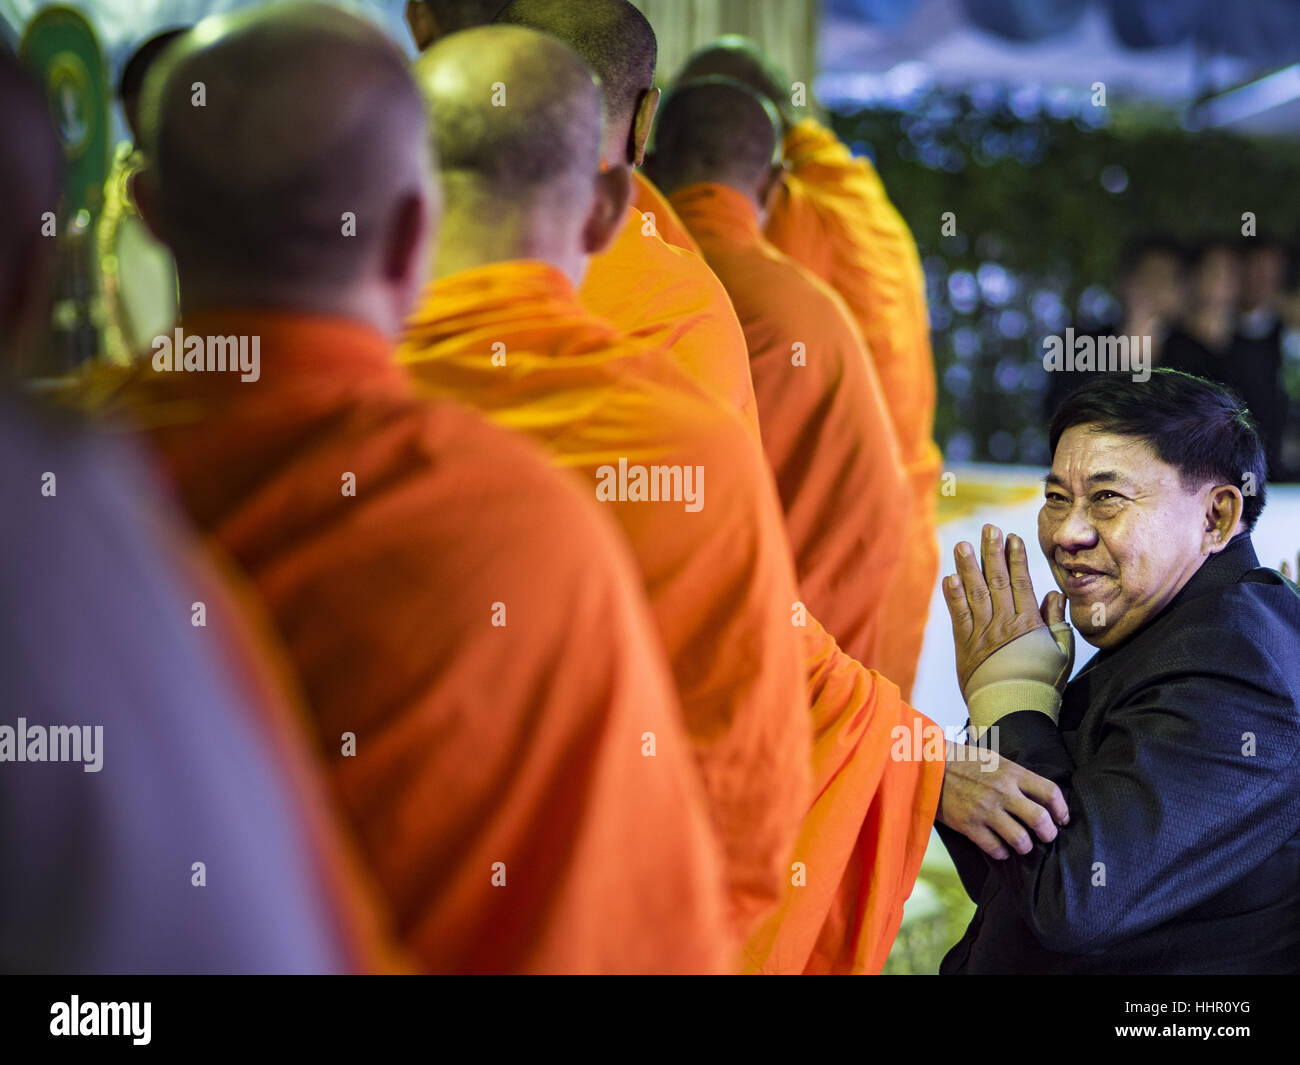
(467, 241)
(203, 293)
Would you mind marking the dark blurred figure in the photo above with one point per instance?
(1258, 343)
(132, 747)
(1151, 291)
(1231, 332)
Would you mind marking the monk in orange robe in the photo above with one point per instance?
(817, 878)
(488, 694)
(832, 215)
(647, 281)
(824, 427)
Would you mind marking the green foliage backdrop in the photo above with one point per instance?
(1045, 190)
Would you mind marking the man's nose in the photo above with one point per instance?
(1076, 532)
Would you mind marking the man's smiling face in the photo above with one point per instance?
(1121, 532)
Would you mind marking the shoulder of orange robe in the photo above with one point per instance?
(728, 612)
(203, 757)
(493, 709)
(681, 476)
(658, 210)
(826, 432)
(833, 215)
(654, 291)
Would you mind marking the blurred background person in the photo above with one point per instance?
(1151, 292)
(181, 834)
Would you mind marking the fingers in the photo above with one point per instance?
(1037, 819)
(1047, 794)
(1053, 609)
(995, 572)
(958, 610)
(988, 843)
(1012, 831)
(1022, 585)
(973, 586)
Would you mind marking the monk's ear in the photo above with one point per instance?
(406, 252)
(421, 23)
(613, 192)
(642, 122)
(1223, 509)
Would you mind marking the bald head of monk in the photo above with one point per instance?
(718, 130)
(518, 129)
(431, 20)
(616, 42)
(289, 165)
(136, 70)
(737, 57)
(31, 169)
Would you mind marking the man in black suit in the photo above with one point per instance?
(1178, 745)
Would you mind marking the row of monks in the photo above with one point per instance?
(555, 730)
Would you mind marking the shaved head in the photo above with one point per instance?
(715, 129)
(282, 141)
(612, 37)
(742, 59)
(518, 114)
(31, 169)
(518, 133)
(136, 70)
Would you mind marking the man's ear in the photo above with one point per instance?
(613, 192)
(421, 23)
(642, 122)
(144, 193)
(1223, 510)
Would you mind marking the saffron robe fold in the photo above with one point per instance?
(723, 591)
(668, 296)
(832, 215)
(473, 648)
(825, 429)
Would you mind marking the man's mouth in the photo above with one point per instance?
(1079, 578)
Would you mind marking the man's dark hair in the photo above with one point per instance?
(1200, 428)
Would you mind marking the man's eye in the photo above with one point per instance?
(1055, 497)
(1105, 496)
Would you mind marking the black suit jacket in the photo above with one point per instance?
(1179, 755)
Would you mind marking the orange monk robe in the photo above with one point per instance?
(832, 215)
(723, 592)
(474, 652)
(824, 425)
(720, 585)
(650, 202)
(668, 296)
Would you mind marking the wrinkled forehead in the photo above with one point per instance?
(1088, 458)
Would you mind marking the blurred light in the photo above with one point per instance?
(1012, 324)
(956, 379)
(996, 285)
(1002, 446)
(966, 343)
(959, 447)
(1114, 179)
(963, 292)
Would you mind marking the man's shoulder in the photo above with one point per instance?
(1245, 633)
